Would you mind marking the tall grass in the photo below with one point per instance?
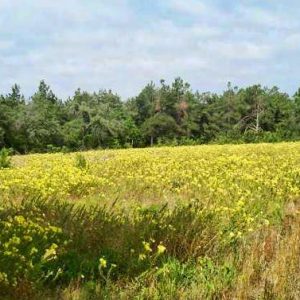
(60, 250)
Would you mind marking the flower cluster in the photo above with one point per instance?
(26, 245)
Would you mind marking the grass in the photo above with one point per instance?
(211, 222)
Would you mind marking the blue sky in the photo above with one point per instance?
(124, 44)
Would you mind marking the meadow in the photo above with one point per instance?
(191, 222)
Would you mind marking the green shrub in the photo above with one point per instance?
(53, 149)
(80, 161)
(5, 160)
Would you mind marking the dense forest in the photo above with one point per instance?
(159, 115)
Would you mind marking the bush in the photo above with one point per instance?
(5, 160)
(80, 161)
(53, 149)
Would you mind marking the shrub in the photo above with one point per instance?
(5, 160)
(80, 161)
(53, 149)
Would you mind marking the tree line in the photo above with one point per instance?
(165, 114)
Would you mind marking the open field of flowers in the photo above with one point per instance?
(215, 174)
(195, 222)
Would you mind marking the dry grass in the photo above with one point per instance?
(271, 269)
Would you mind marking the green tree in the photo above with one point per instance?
(160, 125)
(44, 119)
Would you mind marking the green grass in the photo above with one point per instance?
(200, 261)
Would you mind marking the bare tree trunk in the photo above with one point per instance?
(151, 141)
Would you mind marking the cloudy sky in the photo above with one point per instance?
(124, 44)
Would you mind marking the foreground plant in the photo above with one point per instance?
(5, 160)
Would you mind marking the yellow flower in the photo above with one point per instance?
(50, 253)
(240, 203)
(161, 249)
(231, 234)
(147, 247)
(102, 263)
(142, 257)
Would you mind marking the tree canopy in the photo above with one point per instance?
(165, 114)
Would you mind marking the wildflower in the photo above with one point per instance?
(102, 263)
(33, 251)
(142, 256)
(240, 203)
(19, 219)
(161, 249)
(50, 253)
(147, 247)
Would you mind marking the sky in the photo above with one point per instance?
(124, 44)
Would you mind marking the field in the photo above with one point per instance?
(199, 222)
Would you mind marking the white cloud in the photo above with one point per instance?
(253, 16)
(239, 50)
(6, 44)
(109, 44)
(292, 41)
(193, 7)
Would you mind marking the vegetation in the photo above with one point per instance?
(193, 222)
(167, 114)
(5, 160)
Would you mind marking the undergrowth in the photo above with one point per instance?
(189, 251)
